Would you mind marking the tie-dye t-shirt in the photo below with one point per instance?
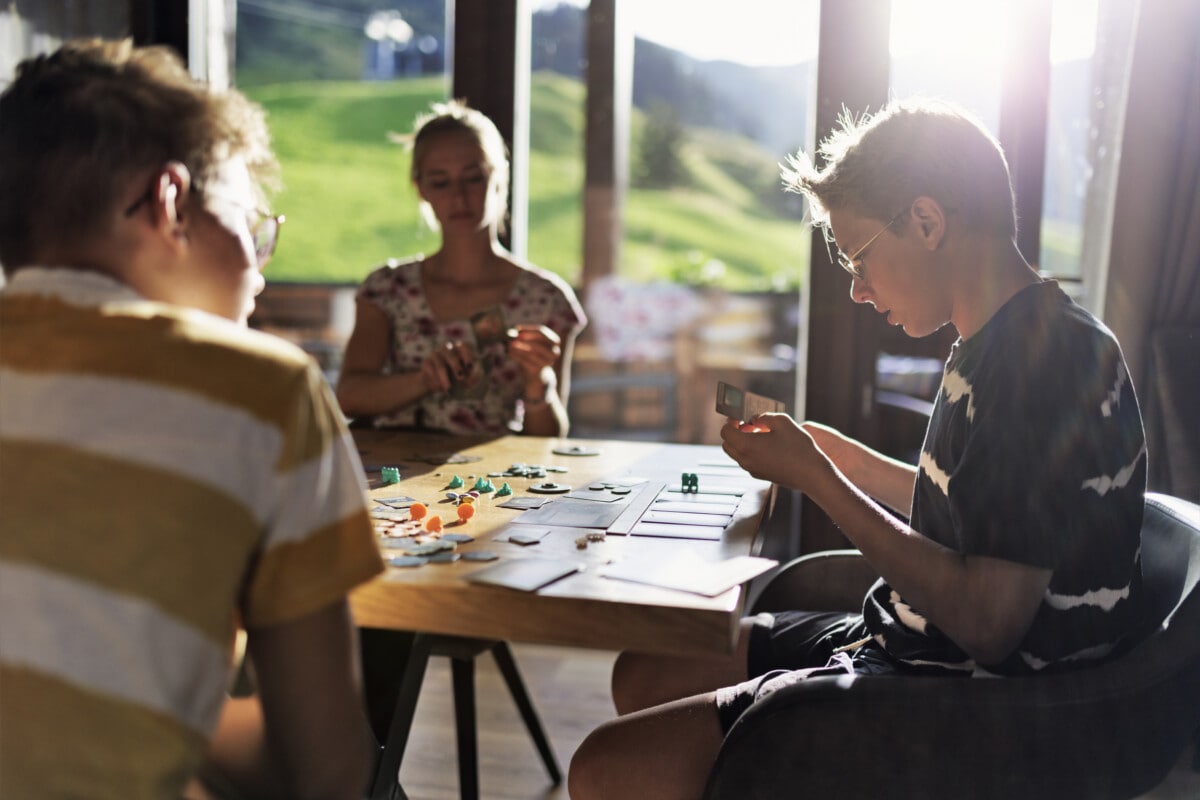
(1035, 453)
(492, 405)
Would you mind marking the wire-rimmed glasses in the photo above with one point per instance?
(263, 225)
(853, 264)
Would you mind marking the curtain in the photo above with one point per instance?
(1152, 292)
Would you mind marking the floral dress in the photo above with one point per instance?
(537, 297)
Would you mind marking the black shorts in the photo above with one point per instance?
(794, 645)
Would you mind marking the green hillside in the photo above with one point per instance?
(350, 205)
(347, 197)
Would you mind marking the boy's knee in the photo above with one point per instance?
(589, 765)
(632, 688)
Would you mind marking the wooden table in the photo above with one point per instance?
(582, 610)
(435, 601)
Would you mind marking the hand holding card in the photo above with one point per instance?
(744, 406)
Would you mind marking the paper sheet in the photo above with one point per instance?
(689, 573)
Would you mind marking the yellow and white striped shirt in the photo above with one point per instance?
(162, 471)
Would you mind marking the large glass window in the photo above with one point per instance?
(1077, 115)
(342, 81)
(720, 97)
(957, 50)
(556, 136)
(950, 49)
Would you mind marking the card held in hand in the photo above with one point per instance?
(741, 405)
(489, 327)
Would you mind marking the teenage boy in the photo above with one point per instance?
(166, 474)
(1020, 553)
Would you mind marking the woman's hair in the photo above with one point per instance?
(456, 117)
(877, 165)
(76, 126)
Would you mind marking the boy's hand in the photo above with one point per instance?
(771, 447)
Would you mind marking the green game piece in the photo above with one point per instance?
(455, 483)
(389, 475)
(483, 485)
(504, 491)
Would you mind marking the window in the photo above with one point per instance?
(708, 127)
(705, 230)
(341, 81)
(556, 137)
(975, 39)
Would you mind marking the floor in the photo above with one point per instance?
(570, 690)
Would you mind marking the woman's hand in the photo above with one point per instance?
(773, 447)
(536, 349)
(450, 362)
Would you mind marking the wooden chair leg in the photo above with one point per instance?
(463, 675)
(462, 653)
(508, 668)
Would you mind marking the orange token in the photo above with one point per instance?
(433, 524)
(417, 510)
(466, 511)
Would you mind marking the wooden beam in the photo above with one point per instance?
(160, 22)
(606, 135)
(843, 338)
(1024, 112)
(486, 74)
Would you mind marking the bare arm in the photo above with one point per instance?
(887, 480)
(364, 390)
(305, 735)
(543, 359)
(985, 605)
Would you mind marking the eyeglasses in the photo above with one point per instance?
(264, 231)
(853, 264)
(263, 225)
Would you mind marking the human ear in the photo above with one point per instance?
(930, 220)
(172, 192)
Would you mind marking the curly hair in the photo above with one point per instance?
(876, 165)
(77, 125)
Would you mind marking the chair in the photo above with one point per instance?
(393, 670)
(1113, 731)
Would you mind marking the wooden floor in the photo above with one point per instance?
(570, 690)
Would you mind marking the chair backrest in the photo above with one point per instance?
(1170, 555)
(1110, 732)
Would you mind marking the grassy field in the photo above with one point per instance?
(350, 205)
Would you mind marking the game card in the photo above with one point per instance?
(526, 574)
(741, 405)
(489, 327)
